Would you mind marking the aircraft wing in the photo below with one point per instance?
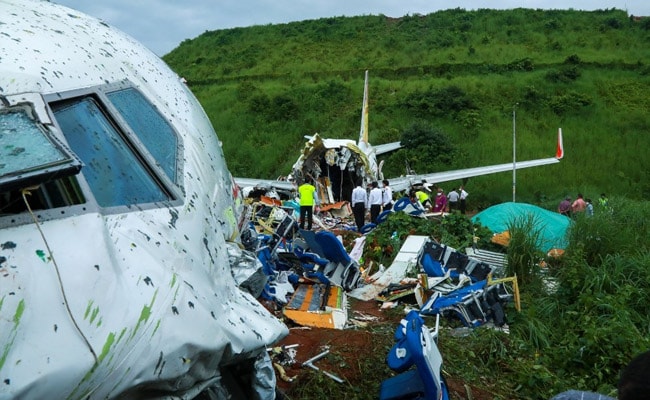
(264, 183)
(387, 147)
(405, 182)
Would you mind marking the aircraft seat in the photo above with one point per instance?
(415, 346)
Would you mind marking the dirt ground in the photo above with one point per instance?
(353, 352)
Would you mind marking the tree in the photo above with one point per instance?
(426, 147)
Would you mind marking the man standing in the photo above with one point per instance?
(423, 198)
(463, 200)
(564, 207)
(578, 205)
(453, 197)
(387, 196)
(603, 200)
(359, 200)
(308, 198)
(440, 202)
(590, 208)
(375, 200)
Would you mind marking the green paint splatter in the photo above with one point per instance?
(107, 346)
(9, 343)
(19, 313)
(145, 313)
(156, 328)
(110, 339)
(121, 334)
(88, 308)
(41, 255)
(94, 314)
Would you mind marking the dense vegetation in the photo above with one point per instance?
(584, 318)
(459, 73)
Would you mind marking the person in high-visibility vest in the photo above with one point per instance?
(308, 198)
(423, 198)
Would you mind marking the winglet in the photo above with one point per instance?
(363, 132)
(559, 152)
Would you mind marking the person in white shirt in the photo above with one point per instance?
(463, 200)
(453, 200)
(375, 201)
(359, 200)
(387, 197)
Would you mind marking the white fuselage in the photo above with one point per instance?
(148, 285)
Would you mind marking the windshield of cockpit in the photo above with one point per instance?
(109, 149)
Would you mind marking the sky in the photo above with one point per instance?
(162, 25)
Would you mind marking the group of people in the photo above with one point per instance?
(580, 205)
(379, 199)
(376, 200)
(454, 200)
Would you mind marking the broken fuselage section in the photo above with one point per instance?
(337, 164)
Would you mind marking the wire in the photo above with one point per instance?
(24, 193)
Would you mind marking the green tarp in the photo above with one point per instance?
(552, 225)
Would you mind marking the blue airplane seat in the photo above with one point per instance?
(312, 243)
(463, 302)
(341, 270)
(407, 385)
(312, 264)
(367, 228)
(404, 204)
(416, 347)
(383, 216)
(433, 268)
(332, 247)
(401, 204)
(265, 256)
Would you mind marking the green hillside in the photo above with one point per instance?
(458, 72)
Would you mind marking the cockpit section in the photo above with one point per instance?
(105, 148)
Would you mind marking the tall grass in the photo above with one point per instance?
(595, 320)
(524, 254)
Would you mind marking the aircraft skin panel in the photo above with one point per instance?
(139, 298)
(151, 289)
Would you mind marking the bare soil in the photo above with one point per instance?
(356, 355)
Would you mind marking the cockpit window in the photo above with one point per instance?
(115, 173)
(35, 168)
(28, 154)
(151, 128)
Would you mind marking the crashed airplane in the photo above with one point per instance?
(119, 225)
(337, 164)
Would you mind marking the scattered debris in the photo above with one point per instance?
(310, 363)
(310, 275)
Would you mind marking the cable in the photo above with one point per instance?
(24, 192)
